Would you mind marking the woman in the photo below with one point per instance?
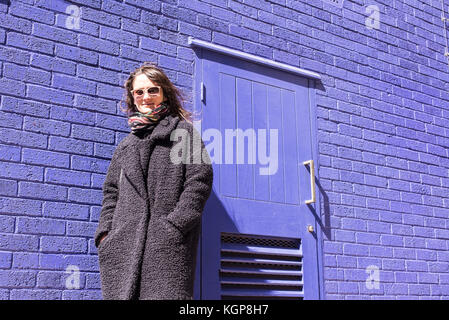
(149, 226)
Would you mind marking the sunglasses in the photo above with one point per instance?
(152, 91)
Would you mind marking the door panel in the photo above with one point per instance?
(254, 240)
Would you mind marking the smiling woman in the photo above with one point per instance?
(149, 225)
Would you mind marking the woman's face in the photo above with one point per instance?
(145, 102)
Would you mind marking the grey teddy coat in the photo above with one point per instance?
(153, 224)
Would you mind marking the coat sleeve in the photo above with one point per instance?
(196, 188)
(110, 196)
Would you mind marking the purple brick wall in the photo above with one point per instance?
(382, 118)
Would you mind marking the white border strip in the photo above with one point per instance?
(250, 57)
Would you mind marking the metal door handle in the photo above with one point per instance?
(312, 181)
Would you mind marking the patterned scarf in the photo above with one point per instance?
(142, 121)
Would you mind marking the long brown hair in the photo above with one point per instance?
(173, 95)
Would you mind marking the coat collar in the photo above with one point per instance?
(129, 154)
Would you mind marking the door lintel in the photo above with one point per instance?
(253, 58)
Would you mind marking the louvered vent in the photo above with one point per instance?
(260, 267)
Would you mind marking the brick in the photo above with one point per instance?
(50, 279)
(119, 36)
(56, 34)
(86, 196)
(72, 115)
(117, 64)
(46, 158)
(40, 226)
(53, 64)
(10, 120)
(57, 244)
(46, 94)
(5, 260)
(16, 242)
(97, 74)
(103, 150)
(16, 279)
(12, 87)
(92, 134)
(23, 260)
(20, 171)
(8, 187)
(121, 9)
(98, 45)
(70, 145)
(30, 43)
(74, 84)
(35, 294)
(76, 54)
(81, 295)
(82, 229)
(46, 126)
(42, 191)
(67, 177)
(355, 249)
(158, 46)
(9, 22)
(67, 211)
(27, 74)
(157, 20)
(195, 31)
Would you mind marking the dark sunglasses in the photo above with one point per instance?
(152, 91)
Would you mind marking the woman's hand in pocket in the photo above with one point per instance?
(102, 237)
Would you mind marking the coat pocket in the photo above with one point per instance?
(172, 233)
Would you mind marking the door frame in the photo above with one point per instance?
(198, 106)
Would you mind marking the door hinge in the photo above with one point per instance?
(203, 92)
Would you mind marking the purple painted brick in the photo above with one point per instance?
(8, 187)
(17, 279)
(70, 145)
(99, 45)
(74, 84)
(20, 171)
(46, 126)
(86, 196)
(47, 158)
(71, 115)
(67, 177)
(76, 54)
(92, 134)
(58, 65)
(29, 42)
(9, 22)
(40, 226)
(5, 260)
(27, 74)
(66, 211)
(97, 74)
(82, 229)
(42, 191)
(57, 244)
(47, 94)
(25, 260)
(119, 36)
(16, 242)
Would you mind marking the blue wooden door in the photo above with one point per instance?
(257, 239)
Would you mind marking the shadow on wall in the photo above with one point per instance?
(325, 219)
(215, 219)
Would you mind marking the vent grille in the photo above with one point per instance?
(260, 267)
